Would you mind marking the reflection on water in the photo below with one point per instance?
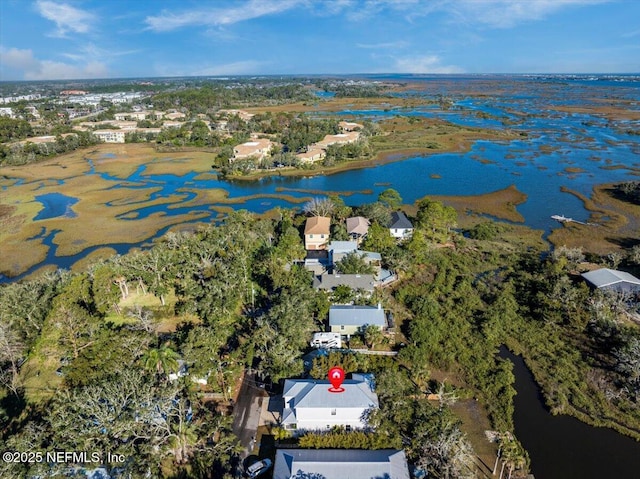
(562, 447)
(55, 206)
(574, 149)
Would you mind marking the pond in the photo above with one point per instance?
(562, 447)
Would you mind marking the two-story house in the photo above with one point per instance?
(309, 405)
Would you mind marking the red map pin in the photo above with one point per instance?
(336, 377)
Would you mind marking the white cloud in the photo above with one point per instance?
(32, 68)
(492, 13)
(168, 21)
(422, 64)
(66, 17)
(508, 13)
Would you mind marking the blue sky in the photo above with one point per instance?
(63, 39)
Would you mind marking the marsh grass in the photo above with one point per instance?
(616, 223)
(499, 204)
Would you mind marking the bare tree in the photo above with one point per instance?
(319, 207)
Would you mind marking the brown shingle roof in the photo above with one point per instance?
(317, 225)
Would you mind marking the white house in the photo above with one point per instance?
(310, 406)
(341, 464)
(400, 227)
(110, 136)
(353, 319)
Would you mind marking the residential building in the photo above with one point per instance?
(339, 249)
(172, 124)
(245, 116)
(350, 126)
(176, 115)
(110, 136)
(312, 155)
(316, 232)
(341, 464)
(353, 319)
(358, 227)
(309, 405)
(400, 226)
(613, 280)
(329, 282)
(339, 139)
(258, 148)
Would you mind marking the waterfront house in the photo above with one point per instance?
(316, 232)
(110, 136)
(354, 319)
(309, 405)
(258, 148)
(341, 464)
(312, 155)
(400, 227)
(350, 126)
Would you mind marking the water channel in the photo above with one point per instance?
(562, 447)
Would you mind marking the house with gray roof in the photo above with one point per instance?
(329, 282)
(353, 319)
(309, 405)
(611, 279)
(400, 227)
(341, 464)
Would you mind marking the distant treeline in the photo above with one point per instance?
(211, 97)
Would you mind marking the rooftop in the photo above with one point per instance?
(317, 225)
(399, 221)
(354, 315)
(354, 281)
(604, 277)
(341, 464)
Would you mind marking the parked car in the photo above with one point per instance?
(258, 468)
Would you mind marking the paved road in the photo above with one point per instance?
(247, 412)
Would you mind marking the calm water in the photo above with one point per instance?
(561, 447)
(55, 205)
(575, 150)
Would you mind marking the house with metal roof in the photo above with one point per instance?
(400, 226)
(329, 282)
(309, 405)
(340, 249)
(614, 280)
(353, 319)
(341, 464)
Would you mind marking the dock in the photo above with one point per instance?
(564, 219)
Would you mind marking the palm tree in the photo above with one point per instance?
(162, 360)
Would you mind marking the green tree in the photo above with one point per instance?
(354, 263)
(161, 361)
(391, 198)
